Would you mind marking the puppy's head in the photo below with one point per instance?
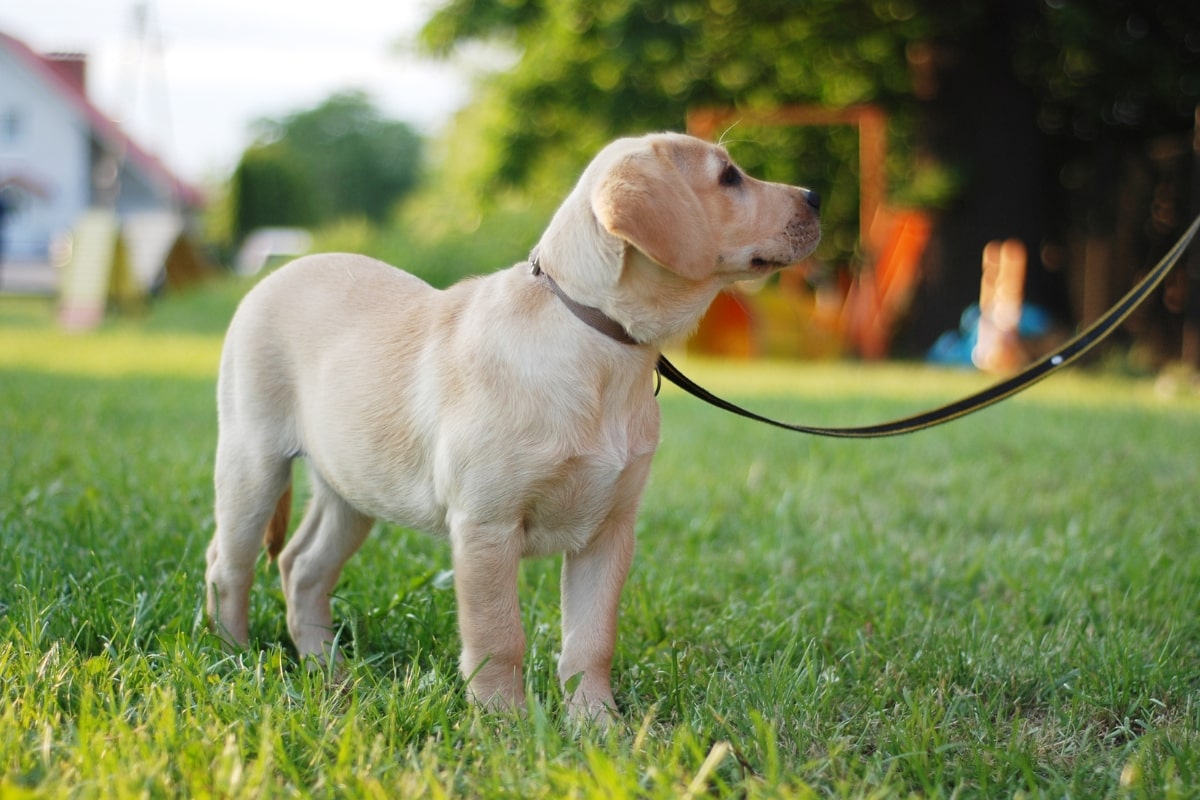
(657, 225)
(682, 202)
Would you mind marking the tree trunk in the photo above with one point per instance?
(980, 122)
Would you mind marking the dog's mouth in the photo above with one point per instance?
(799, 244)
(764, 264)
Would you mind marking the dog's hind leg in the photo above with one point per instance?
(250, 492)
(309, 566)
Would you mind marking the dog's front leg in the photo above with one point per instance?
(486, 562)
(592, 579)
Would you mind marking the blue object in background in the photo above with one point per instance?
(954, 348)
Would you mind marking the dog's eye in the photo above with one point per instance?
(731, 176)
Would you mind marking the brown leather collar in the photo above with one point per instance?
(592, 317)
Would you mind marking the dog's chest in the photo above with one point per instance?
(555, 464)
(567, 505)
(556, 490)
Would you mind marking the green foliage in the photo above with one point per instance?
(437, 244)
(587, 71)
(1123, 66)
(590, 71)
(359, 162)
(270, 189)
(1005, 606)
(340, 159)
(634, 66)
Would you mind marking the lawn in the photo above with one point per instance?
(1006, 605)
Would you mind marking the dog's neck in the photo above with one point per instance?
(598, 270)
(590, 316)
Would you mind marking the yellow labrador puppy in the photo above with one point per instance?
(513, 413)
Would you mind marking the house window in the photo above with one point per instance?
(12, 126)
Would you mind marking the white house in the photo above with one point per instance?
(60, 156)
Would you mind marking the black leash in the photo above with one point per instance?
(1065, 355)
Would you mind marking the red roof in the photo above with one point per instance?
(105, 129)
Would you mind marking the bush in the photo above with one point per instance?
(441, 254)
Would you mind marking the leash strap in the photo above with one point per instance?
(1068, 353)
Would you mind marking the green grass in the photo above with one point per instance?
(1006, 605)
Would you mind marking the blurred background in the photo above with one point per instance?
(995, 173)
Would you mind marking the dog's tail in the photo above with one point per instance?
(277, 528)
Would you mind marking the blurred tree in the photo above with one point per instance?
(1001, 111)
(340, 159)
(618, 66)
(270, 189)
(1048, 114)
(588, 71)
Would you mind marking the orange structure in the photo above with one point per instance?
(892, 240)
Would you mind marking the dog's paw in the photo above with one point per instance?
(595, 709)
(497, 688)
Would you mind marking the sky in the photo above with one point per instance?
(205, 69)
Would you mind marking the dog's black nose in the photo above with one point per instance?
(813, 199)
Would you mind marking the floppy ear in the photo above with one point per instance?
(645, 200)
